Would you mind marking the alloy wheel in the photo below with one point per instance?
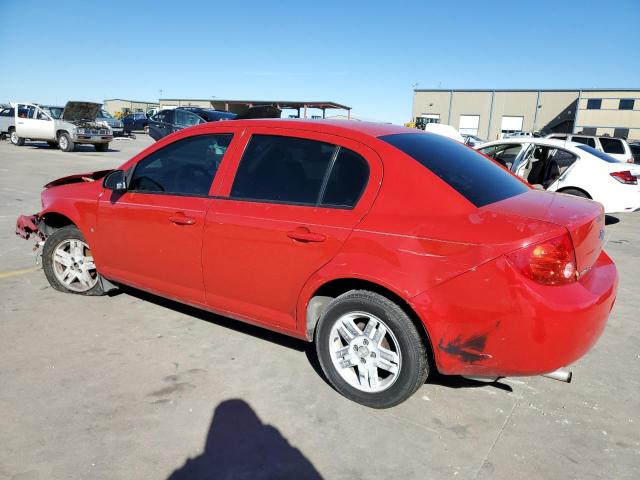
(73, 265)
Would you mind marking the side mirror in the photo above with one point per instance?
(115, 181)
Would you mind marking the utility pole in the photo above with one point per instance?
(414, 85)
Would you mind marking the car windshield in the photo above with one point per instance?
(598, 153)
(104, 114)
(54, 112)
(470, 173)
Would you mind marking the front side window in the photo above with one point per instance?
(40, 115)
(185, 167)
(472, 175)
(612, 145)
(282, 170)
(504, 154)
(594, 104)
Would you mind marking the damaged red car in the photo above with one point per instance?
(395, 251)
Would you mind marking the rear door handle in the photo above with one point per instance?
(303, 234)
(180, 218)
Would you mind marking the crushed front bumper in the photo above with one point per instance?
(26, 226)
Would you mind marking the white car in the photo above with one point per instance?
(571, 168)
(618, 148)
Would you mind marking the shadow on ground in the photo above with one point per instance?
(450, 381)
(239, 445)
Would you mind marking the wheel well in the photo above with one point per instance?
(11, 129)
(50, 222)
(61, 131)
(330, 290)
(564, 189)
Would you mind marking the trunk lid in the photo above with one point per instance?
(584, 220)
(75, 111)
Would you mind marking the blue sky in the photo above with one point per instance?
(363, 54)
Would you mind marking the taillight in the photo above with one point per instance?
(552, 262)
(625, 177)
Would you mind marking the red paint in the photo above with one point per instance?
(410, 233)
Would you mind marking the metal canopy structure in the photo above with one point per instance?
(240, 106)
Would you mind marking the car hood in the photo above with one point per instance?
(74, 111)
(78, 178)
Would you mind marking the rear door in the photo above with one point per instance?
(150, 237)
(286, 208)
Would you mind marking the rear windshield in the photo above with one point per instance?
(471, 174)
(598, 153)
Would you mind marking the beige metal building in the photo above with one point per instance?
(304, 109)
(115, 105)
(491, 114)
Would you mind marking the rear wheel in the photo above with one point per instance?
(65, 142)
(15, 139)
(68, 263)
(101, 147)
(575, 192)
(370, 350)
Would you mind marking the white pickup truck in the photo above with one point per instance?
(75, 124)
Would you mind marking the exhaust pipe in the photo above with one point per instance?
(562, 374)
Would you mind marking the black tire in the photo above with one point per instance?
(101, 147)
(15, 139)
(53, 144)
(57, 238)
(65, 143)
(414, 366)
(575, 192)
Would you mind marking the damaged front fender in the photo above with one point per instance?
(27, 225)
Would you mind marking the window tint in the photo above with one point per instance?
(479, 180)
(611, 145)
(282, 169)
(347, 180)
(594, 104)
(598, 153)
(185, 167)
(584, 140)
(626, 104)
(187, 118)
(563, 159)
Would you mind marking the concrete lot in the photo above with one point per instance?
(132, 386)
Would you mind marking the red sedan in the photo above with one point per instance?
(394, 250)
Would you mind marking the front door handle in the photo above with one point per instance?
(180, 218)
(303, 234)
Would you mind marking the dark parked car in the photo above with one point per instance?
(168, 121)
(135, 121)
(209, 114)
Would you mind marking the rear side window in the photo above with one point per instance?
(611, 145)
(585, 141)
(468, 172)
(282, 170)
(347, 180)
(185, 167)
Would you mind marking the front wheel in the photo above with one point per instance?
(370, 350)
(68, 263)
(65, 143)
(15, 139)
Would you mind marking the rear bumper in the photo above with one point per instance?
(494, 322)
(26, 226)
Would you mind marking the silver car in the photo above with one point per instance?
(117, 127)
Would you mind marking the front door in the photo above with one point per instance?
(293, 201)
(150, 237)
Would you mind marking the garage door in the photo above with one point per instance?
(469, 124)
(510, 125)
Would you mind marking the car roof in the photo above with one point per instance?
(548, 142)
(337, 127)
